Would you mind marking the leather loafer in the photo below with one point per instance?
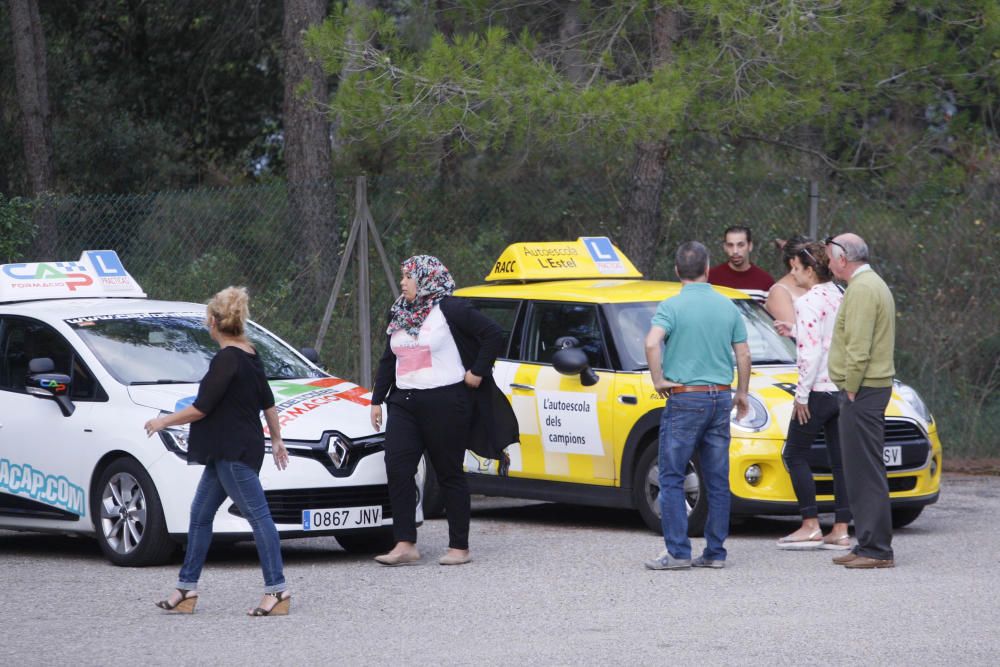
(405, 558)
(866, 563)
(845, 559)
(461, 559)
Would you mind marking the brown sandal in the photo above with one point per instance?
(183, 606)
(280, 608)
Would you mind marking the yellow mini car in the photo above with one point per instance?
(589, 422)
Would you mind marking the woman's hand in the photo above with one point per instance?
(280, 454)
(154, 426)
(801, 412)
(785, 328)
(377, 417)
(472, 380)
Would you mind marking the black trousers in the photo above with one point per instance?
(862, 433)
(436, 421)
(824, 409)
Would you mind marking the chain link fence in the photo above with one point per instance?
(938, 250)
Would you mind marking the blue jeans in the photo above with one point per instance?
(695, 422)
(240, 482)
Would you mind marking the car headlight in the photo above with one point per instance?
(756, 418)
(912, 398)
(175, 438)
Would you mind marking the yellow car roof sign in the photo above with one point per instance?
(587, 257)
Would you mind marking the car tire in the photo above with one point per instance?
(128, 516)
(378, 540)
(433, 500)
(646, 492)
(904, 516)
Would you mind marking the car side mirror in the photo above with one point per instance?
(310, 353)
(44, 383)
(569, 359)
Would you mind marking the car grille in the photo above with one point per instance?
(287, 504)
(824, 487)
(914, 447)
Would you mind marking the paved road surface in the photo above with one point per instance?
(551, 584)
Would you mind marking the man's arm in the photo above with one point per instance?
(654, 359)
(742, 352)
(860, 312)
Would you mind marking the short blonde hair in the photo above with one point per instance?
(230, 310)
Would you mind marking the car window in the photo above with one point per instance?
(551, 321)
(503, 313)
(630, 322)
(22, 340)
(163, 348)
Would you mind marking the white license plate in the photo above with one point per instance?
(342, 519)
(892, 456)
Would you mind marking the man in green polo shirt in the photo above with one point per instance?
(703, 329)
(861, 365)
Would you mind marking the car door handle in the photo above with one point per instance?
(526, 387)
(628, 399)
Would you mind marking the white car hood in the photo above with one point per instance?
(306, 408)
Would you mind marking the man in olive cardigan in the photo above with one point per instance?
(861, 365)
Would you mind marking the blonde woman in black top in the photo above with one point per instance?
(228, 439)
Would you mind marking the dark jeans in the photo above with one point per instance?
(862, 439)
(695, 422)
(436, 421)
(241, 483)
(824, 410)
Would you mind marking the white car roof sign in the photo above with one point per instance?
(98, 273)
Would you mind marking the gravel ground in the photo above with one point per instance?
(550, 584)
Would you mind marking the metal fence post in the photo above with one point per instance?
(813, 209)
(364, 284)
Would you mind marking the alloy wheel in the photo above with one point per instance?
(123, 513)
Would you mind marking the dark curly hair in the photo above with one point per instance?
(791, 249)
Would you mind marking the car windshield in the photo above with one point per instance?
(630, 324)
(174, 348)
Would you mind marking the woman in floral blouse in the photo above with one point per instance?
(816, 406)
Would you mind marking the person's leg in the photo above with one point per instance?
(862, 431)
(403, 449)
(207, 500)
(681, 426)
(713, 452)
(445, 418)
(795, 453)
(242, 484)
(831, 428)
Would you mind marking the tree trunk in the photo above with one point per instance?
(641, 225)
(571, 55)
(307, 141)
(31, 75)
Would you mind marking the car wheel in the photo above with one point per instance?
(904, 516)
(367, 542)
(128, 516)
(646, 492)
(432, 498)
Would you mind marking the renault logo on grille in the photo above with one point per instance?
(337, 451)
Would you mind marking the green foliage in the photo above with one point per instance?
(16, 228)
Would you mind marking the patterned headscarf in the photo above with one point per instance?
(434, 282)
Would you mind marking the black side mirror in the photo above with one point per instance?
(310, 353)
(569, 359)
(44, 383)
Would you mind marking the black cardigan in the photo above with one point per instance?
(479, 340)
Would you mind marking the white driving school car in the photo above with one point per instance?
(86, 359)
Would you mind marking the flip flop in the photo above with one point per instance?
(813, 541)
(840, 544)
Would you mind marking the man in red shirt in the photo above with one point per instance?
(739, 272)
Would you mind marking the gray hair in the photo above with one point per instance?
(691, 260)
(854, 249)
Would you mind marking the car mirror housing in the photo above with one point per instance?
(571, 360)
(43, 383)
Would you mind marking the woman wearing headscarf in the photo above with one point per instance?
(437, 377)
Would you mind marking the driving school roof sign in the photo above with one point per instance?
(98, 273)
(587, 257)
